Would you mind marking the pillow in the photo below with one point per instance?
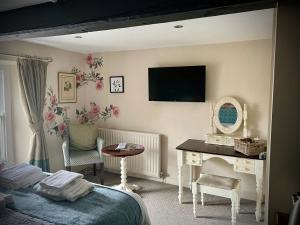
(83, 136)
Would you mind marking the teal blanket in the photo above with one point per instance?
(103, 206)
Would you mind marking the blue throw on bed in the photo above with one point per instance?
(103, 206)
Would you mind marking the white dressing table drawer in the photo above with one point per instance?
(193, 155)
(193, 158)
(244, 166)
(194, 162)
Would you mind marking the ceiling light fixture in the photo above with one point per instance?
(178, 26)
(78, 36)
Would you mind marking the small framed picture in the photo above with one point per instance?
(67, 91)
(116, 84)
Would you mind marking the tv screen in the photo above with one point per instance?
(182, 84)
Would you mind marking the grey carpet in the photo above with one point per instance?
(163, 207)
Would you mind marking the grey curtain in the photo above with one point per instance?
(32, 80)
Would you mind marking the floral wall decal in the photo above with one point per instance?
(55, 117)
(93, 75)
(94, 113)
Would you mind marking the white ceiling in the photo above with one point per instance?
(253, 25)
(15, 4)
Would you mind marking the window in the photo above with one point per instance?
(5, 113)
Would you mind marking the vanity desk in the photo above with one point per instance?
(195, 152)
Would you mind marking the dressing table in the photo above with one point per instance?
(195, 152)
(226, 116)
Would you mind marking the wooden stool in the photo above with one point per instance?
(226, 187)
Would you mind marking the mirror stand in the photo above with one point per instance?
(225, 118)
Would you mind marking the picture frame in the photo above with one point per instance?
(116, 84)
(67, 90)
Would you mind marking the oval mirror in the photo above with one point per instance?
(228, 115)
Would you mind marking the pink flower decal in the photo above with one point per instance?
(55, 111)
(49, 116)
(89, 59)
(78, 78)
(99, 85)
(95, 109)
(93, 75)
(53, 99)
(115, 111)
(61, 128)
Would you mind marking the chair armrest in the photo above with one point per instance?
(66, 151)
(100, 145)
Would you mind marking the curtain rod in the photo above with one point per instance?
(47, 59)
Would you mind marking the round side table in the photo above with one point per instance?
(110, 150)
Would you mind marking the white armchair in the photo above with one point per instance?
(73, 156)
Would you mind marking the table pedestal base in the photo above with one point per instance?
(128, 187)
(124, 186)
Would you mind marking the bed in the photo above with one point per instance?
(103, 206)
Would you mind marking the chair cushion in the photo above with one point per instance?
(84, 157)
(227, 183)
(83, 136)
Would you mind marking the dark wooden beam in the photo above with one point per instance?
(77, 16)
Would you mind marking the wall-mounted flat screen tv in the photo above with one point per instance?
(180, 84)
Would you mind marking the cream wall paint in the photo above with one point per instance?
(63, 62)
(241, 70)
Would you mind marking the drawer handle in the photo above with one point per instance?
(247, 169)
(248, 162)
(193, 161)
(194, 154)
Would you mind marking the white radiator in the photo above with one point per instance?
(146, 164)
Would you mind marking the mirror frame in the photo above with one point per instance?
(236, 104)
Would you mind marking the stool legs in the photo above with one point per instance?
(202, 198)
(233, 194)
(194, 204)
(238, 204)
(233, 208)
(194, 191)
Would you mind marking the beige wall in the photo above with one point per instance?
(241, 70)
(63, 62)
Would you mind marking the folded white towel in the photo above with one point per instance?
(71, 192)
(77, 190)
(20, 176)
(19, 171)
(60, 179)
(31, 180)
